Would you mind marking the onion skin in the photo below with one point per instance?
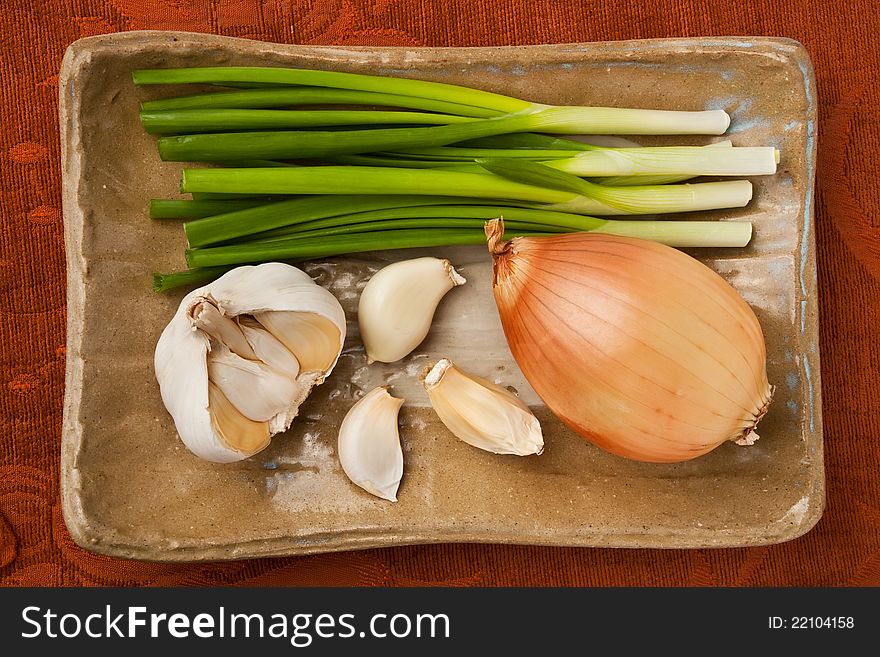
(639, 348)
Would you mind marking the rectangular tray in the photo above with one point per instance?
(131, 489)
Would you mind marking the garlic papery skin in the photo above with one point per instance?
(481, 413)
(207, 317)
(369, 444)
(249, 400)
(398, 304)
(639, 348)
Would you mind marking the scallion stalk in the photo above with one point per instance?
(673, 233)
(441, 182)
(161, 208)
(296, 249)
(687, 234)
(230, 120)
(335, 79)
(454, 153)
(165, 282)
(623, 200)
(389, 161)
(679, 233)
(311, 144)
(403, 224)
(301, 144)
(234, 225)
(528, 140)
(552, 219)
(670, 160)
(293, 96)
(564, 120)
(653, 179)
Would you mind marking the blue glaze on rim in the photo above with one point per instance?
(806, 235)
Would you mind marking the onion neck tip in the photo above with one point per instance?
(494, 229)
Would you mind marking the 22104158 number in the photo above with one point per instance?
(811, 623)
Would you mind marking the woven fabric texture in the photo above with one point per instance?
(843, 549)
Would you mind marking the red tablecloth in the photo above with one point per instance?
(842, 37)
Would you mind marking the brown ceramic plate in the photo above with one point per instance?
(131, 489)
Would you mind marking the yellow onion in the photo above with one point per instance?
(638, 347)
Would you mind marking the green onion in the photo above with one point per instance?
(600, 119)
(655, 179)
(214, 147)
(683, 234)
(679, 233)
(310, 144)
(552, 219)
(528, 140)
(296, 249)
(673, 163)
(402, 224)
(228, 120)
(454, 153)
(285, 97)
(183, 209)
(627, 200)
(386, 161)
(233, 225)
(165, 282)
(674, 233)
(692, 233)
(591, 199)
(519, 116)
(355, 81)
(671, 160)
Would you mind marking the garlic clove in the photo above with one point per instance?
(268, 348)
(481, 413)
(255, 389)
(314, 340)
(206, 316)
(398, 304)
(238, 432)
(369, 444)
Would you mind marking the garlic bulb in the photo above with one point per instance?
(369, 444)
(638, 347)
(241, 355)
(398, 304)
(481, 413)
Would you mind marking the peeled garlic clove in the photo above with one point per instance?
(398, 304)
(213, 423)
(268, 348)
(481, 413)
(255, 389)
(369, 444)
(313, 339)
